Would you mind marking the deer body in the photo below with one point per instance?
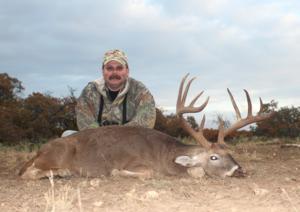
(102, 151)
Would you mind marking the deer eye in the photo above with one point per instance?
(213, 157)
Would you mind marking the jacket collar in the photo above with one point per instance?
(102, 88)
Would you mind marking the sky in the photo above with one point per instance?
(239, 44)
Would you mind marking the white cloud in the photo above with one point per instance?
(227, 43)
(139, 9)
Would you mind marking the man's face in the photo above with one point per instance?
(115, 75)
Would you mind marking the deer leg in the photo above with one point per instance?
(141, 173)
(34, 173)
(196, 172)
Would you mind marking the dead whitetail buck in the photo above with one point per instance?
(140, 152)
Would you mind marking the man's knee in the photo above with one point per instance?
(68, 132)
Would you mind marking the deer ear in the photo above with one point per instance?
(185, 161)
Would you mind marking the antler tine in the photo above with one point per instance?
(237, 111)
(260, 112)
(202, 124)
(179, 98)
(195, 99)
(186, 90)
(249, 103)
(191, 109)
(181, 109)
(261, 106)
(221, 132)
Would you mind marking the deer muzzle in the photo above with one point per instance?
(239, 172)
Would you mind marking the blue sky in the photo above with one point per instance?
(50, 45)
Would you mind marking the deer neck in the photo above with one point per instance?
(190, 150)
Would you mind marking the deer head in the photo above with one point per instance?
(216, 160)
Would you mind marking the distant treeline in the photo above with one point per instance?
(41, 116)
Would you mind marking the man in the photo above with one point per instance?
(115, 99)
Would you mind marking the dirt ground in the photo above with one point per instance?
(272, 184)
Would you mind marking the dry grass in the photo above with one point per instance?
(60, 200)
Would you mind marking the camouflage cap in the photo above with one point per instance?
(116, 55)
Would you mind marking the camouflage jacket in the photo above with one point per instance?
(140, 106)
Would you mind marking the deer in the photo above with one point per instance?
(132, 151)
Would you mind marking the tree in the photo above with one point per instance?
(48, 116)
(170, 124)
(68, 120)
(10, 109)
(36, 117)
(10, 130)
(192, 121)
(10, 88)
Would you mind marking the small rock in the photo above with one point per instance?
(287, 179)
(98, 203)
(95, 182)
(219, 196)
(83, 183)
(131, 193)
(259, 191)
(290, 179)
(115, 172)
(151, 195)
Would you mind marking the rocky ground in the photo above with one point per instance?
(272, 184)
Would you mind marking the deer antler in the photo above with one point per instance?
(242, 122)
(181, 109)
(198, 136)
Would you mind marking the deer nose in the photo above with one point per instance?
(239, 172)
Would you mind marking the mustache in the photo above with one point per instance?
(114, 76)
